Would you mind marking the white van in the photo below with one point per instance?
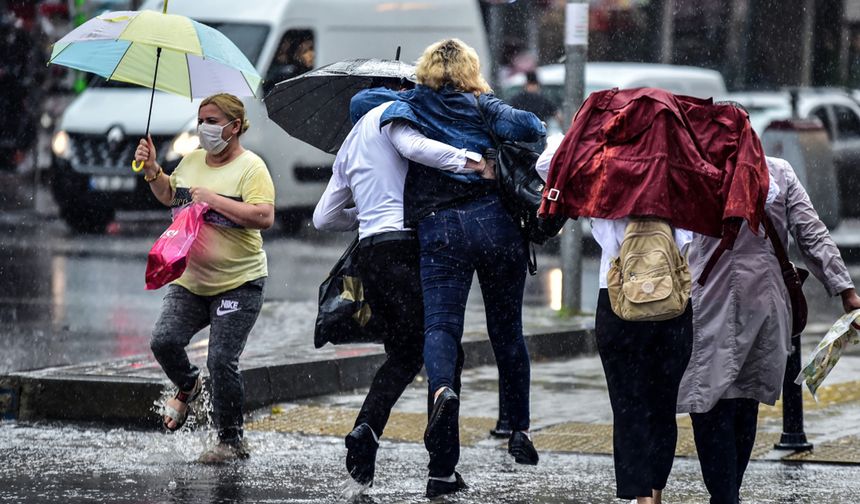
(97, 135)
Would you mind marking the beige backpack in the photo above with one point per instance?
(649, 280)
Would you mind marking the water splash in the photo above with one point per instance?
(196, 434)
(352, 491)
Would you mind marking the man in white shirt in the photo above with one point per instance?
(370, 172)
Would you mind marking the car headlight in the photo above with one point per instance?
(182, 145)
(61, 144)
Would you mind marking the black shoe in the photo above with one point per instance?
(522, 448)
(502, 430)
(435, 488)
(442, 428)
(361, 454)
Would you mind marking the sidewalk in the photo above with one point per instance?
(279, 364)
(571, 414)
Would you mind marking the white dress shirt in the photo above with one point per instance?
(370, 172)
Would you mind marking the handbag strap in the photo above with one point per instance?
(348, 252)
(778, 248)
(486, 124)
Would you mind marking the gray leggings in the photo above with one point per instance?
(231, 316)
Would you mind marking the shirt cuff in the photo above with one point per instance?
(473, 156)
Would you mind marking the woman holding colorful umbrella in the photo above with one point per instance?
(222, 286)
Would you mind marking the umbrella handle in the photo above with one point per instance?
(136, 166)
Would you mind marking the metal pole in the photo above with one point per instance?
(807, 34)
(793, 437)
(576, 51)
(736, 46)
(494, 13)
(667, 31)
(533, 29)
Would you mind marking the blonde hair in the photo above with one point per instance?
(451, 61)
(231, 106)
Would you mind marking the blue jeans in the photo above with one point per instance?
(477, 236)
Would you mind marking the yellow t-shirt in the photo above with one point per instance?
(225, 255)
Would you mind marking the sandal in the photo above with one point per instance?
(169, 413)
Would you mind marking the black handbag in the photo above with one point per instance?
(793, 278)
(522, 188)
(343, 314)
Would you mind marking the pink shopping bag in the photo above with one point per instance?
(168, 256)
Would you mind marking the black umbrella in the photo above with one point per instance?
(314, 107)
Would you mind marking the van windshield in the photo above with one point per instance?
(249, 38)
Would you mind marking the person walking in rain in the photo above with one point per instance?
(742, 320)
(643, 363)
(532, 99)
(369, 172)
(463, 229)
(222, 286)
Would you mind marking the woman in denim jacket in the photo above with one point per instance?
(462, 229)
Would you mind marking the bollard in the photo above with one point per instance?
(793, 437)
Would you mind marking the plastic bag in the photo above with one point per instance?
(344, 313)
(169, 254)
(825, 356)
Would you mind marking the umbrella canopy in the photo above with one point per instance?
(195, 60)
(314, 107)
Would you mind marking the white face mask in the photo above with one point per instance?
(210, 137)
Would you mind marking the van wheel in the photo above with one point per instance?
(292, 221)
(87, 219)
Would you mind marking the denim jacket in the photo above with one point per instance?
(451, 117)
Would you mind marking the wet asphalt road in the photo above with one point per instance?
(43, 464)
(67, 299)
(47, 464)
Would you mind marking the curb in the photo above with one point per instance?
(49, 395)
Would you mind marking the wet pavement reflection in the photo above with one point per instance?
(67, 299)
(69, 464)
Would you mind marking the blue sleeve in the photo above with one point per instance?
(509, 123)
(367, 99)
(402, 111)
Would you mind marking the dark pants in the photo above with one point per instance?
(231, 316)
(724, 441)
(477, 236)
(643, 363)
(392, 287)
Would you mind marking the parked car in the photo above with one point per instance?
(686, 80)
(95, 141)
(838, 112)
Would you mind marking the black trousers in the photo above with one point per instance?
(643, 363)
(724, 441)
(392, 287)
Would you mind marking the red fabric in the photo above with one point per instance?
(169, 254)
(647, 152)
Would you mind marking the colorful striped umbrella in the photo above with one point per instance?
(129, 46)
